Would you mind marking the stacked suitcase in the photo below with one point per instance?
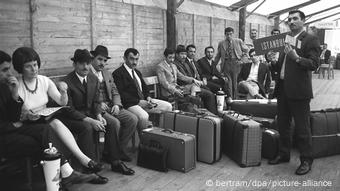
(242, 138)
(255, 107)
(325, 127)
(181, 147)
(206, 128)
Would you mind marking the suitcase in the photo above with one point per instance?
(270, 143)
(241, 139)
(181, 147)
(206, 128)
(255, 107)
(325, 127)
(266, 122)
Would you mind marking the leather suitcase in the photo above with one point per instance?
(206, 128)
(181, 147)
(255, 107)
(241, 139)
(270, 143)
(325, 126)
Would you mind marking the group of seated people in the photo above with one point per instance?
(97, 101)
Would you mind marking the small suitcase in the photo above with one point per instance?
(206, 128)
(325, 127)
(270, 143)
(181, 147)
(241, 139)
(255, 107)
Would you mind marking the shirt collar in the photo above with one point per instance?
(81, 78)
(127, 68)
(99, 74)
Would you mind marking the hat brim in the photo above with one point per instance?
(94, 54)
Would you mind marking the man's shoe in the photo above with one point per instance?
(122, 168)
(94, 167)
(279, 159)
(98, 179)
(304, 168)
(76, 178)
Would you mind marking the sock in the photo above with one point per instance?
(66, 170)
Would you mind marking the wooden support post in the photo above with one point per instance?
(171, 24)
(242, 23)
(93, 27)
(211, 30)
(134, 27)
(193, 29)
(33, 22)
(277, 22)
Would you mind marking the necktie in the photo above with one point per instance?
(84, 85)
(229, 53)
(140, 93)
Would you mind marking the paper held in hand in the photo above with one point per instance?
(48, 111)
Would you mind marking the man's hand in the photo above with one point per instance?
(62, 86)
(115, 110)
(215, 78)
(104, 106)
(291, 53)
(198, 83)
(101, 119)
(145, 104)
(178, 92)
(97, 125)
(17, 124)
(13, 86)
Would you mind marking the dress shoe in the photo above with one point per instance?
(304, 168)
(124, 157)
(94, 167)
(76, 178)
(279, 159)
(98, 179)
(122, 168)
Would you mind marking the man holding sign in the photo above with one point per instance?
(294, 91)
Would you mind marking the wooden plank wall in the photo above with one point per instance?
(204, 31)
(56, 28)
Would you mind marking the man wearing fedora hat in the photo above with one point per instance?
(111, 103)
(84, 99)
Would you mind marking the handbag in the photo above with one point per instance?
(152, 156)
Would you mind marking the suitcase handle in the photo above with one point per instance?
(168, 131)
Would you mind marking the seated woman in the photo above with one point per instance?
(35, 91)
(20, 139)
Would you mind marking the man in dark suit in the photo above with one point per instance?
(134, 92)
(84, 100)
(294, 92)
(111, 104)
(20, 139)
(187, 66)
(207, 69)
(254, 78)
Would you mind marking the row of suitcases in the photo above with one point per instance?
(245, 138)
(242, 137)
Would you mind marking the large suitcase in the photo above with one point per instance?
(270, 143)
(241, 139)
(255, 107)
(181, 147)
(206, 128)
(325, 126)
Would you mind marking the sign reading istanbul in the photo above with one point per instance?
(274, 43)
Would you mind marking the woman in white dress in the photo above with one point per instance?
(35, 91)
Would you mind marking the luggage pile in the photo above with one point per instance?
(246, 133)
